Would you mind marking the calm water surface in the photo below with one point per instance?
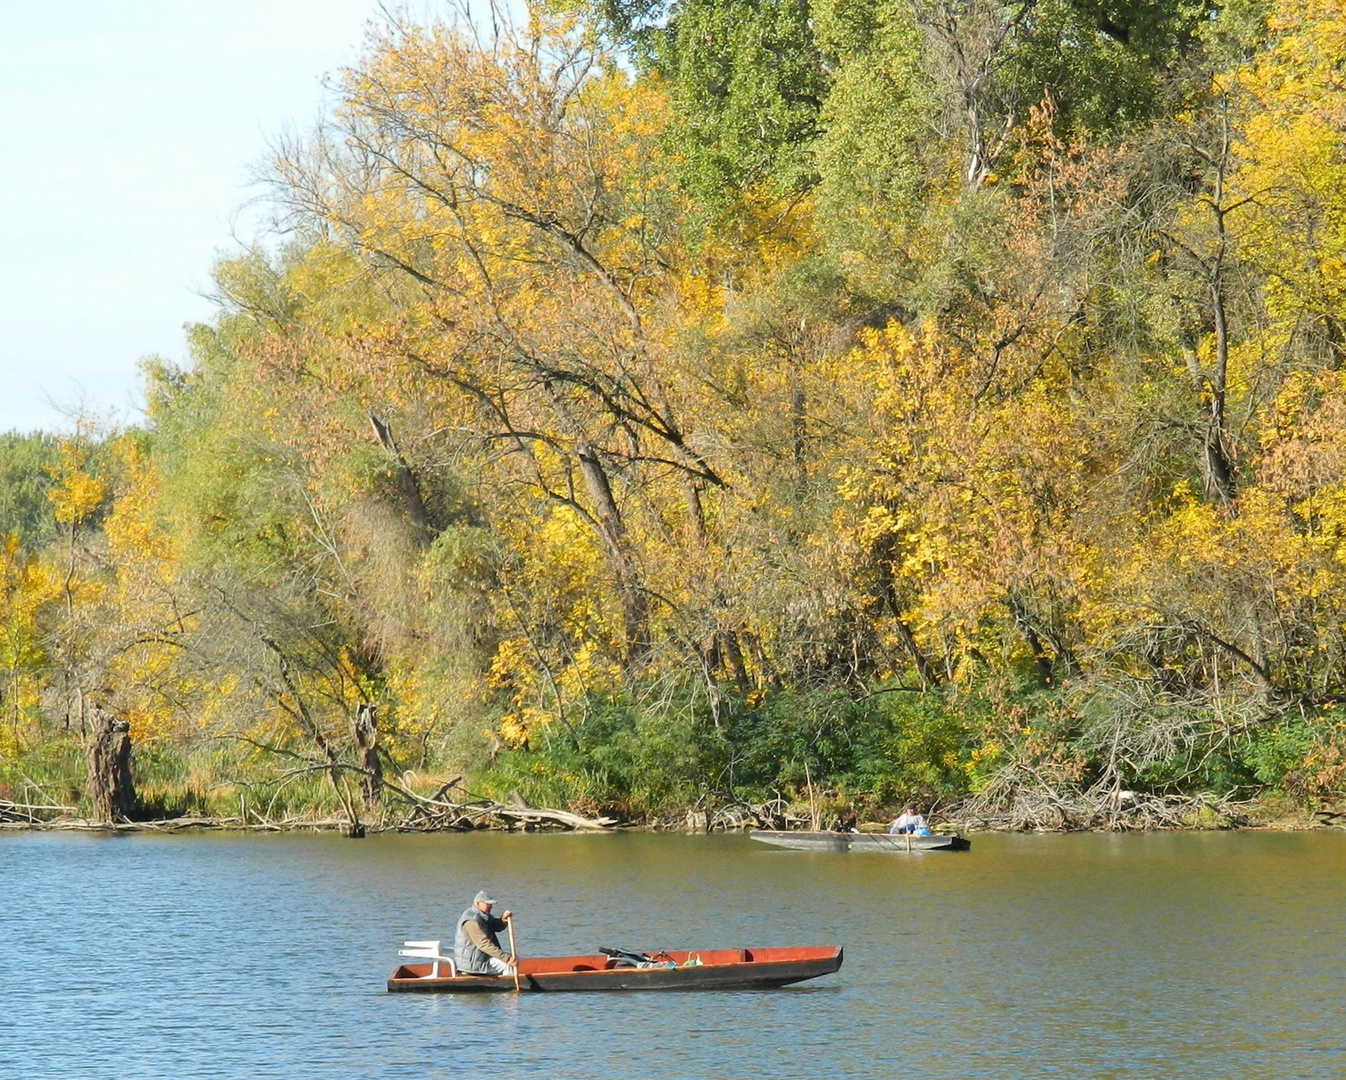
(1148, 956)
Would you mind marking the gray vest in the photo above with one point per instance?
(466, 955)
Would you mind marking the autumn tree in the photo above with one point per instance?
(695, 402)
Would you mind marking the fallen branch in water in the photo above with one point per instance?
(12, 811)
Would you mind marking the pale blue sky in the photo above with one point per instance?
(128, 133)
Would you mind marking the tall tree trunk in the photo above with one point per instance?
(366, 741)
(975, 36)
(635, 606)
(696, 512)
(1040, 658)
(924, 670)
(1219, 465)
(798, 425)
(407, 486)
(885, 558)
(299, 710)
(111, 789)
(607, 519)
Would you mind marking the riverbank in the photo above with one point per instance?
(176, 792)
(1261, 817)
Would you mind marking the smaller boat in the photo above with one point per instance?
(857, 841)
(615, 969)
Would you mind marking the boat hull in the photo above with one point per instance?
(848, 841)
(720, 969)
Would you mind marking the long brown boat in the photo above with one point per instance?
(681, 969)
(855, 841)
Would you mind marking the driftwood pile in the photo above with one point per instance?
(1018, 803)
(775, 813)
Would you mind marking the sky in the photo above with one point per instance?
(129, 133)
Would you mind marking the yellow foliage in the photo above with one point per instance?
(78, 496)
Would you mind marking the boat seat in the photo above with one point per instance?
(428, 950)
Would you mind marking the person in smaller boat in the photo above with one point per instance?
(476, 949)
(908, 822)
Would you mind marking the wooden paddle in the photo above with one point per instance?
(509, 925)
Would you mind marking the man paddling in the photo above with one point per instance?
(476, 950)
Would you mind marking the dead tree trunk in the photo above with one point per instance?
(111, 789)
(366, 740)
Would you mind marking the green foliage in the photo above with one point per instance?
(1103, 63)
(614, 758)
(1276, 754)
(640, 763)
(1240, 28)
(747, 84)
(871, 155)
(26, 466)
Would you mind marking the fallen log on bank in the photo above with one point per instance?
(437, 813)
(431, 815)
(561, 817)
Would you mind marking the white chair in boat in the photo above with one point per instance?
(428, 950)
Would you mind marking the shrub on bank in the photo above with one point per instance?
(640, 764)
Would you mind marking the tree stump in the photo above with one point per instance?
(366, 740)
(111, 789)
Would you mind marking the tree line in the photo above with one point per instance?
(653, 405)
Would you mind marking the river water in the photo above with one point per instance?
(1140, 956)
